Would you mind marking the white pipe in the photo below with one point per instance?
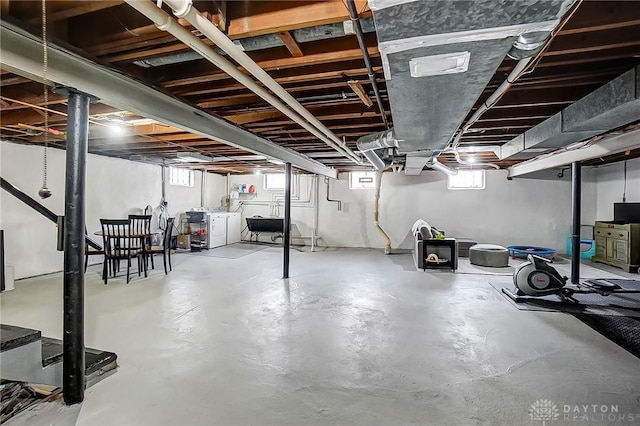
(314, 231)
(376, 214)
(166, 23)
(495, 97)
(184, 9)
(456, 154)
(203, 187)
(511, 78)
(436, 165)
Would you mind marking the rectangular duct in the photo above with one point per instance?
(607, 146)
(428, 110)
(613, 105)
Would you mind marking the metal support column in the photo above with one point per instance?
(287, 218)
(73, 363)
(576, 201)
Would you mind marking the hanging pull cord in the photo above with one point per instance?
(44, 192)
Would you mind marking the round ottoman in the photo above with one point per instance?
(489, 255)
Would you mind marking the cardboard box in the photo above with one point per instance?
(183, 241)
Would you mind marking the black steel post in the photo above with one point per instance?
(576, 201)
(73, 363)
(2, 277)
(287, 218)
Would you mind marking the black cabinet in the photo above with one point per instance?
(446, 250)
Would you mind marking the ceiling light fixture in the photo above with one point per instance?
(117, 129)
(193, 157)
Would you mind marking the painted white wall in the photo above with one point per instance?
(610, 186)
(114, 189)
(271, 204)
(521, 211)
(589, 197)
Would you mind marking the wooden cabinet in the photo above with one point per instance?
(618, 244)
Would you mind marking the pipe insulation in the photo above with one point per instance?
(436, 165)
(368, 144)
(491, 100)
(184, 9)
(166, 23)
(376, 214)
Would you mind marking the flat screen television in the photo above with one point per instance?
(626, 212)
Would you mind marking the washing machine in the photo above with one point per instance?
(217, 229)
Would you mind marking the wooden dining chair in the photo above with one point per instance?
(90, 250)
(141, 225)
(118, 245)
(165, 249)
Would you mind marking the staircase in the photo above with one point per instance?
(27, 356)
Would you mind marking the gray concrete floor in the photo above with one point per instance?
(354, 338)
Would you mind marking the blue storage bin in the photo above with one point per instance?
(587, 248)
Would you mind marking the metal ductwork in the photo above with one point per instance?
(437, 61)
(436, 165)
(611, 145)
(613, 105)
(267, 41)
(369, 144)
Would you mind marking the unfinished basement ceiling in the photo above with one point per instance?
(306, 48)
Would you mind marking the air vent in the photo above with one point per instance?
(448, 63)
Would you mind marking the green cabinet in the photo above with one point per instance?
(618, 244)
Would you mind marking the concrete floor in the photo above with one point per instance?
(354, 338)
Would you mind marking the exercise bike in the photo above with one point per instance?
(537, 278)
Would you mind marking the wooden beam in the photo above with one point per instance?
(84, 8)
(357, 88)
(593, 42)
(141, 41)
(244, 96)
(290, 43)
(32, 100)
(10, 81)
(30, 117)
(203, 75)
(602, 27)
(602, 15)
(261, 17)
(585, 58)
(352, 111)
(4, 8)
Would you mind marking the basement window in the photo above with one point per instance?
(467, 179)
(274, 181)
(180, 177)
(362, 180)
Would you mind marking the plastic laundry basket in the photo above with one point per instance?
(587, 248)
